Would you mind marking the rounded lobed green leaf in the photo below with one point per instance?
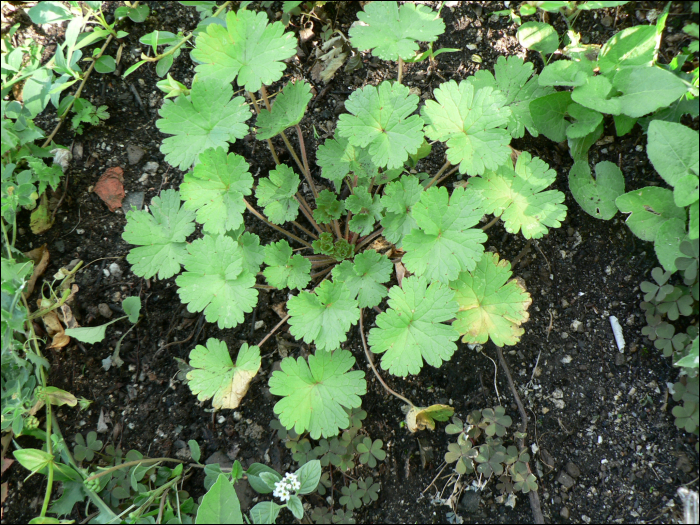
(276, 194)
(285, 270)
(364, 275)
(287, 110)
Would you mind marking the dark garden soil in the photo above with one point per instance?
(608, 449)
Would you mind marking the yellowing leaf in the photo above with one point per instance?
(420, 418)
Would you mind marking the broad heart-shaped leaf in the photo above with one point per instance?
(285, 270)
(287, 110)
(445, 243)
(338, 158)
(668, 241)
(646, 89)
(276, 194)
(323, 317)
(247, 47)
(516, 82)
(412, 328)
(161, 235)
(548, 114)
(469, 121)
(364, 276)
(594, 94)
(316, 395)
(391, 32)
(208, 118)
(399, 198)
(216, 282)
(566, 73)
(517, 196)
(633, 46)
(216, 376)
(366, 208)
(673, 150)
(538, 36)
(649, 208)
(585, 121)
(597, 195)
(215, 189)
(382, 119)
(490, 305)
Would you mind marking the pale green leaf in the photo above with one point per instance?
(673, 150)
(276, 194)
(328, 207)
(247, 49)
(538, 36)
(391, 32)
(585, 121)
(381, 118)
(323, 316)
(161, 235)
(646, 89)
(548, 114)
(220, 504)
(594, 94)
(215, 376)
(253, 253)
(287, 110)
(470, 121)
(399, 198)
(445, 243)
(517, 195)
(566, 73)
(364, 276)
(285, 270)
(366, 209)
(413, 328)
(633, 46)
(597, 195)
(338, 158)
(667, 243)
(216, 189)
(648, 209)
(315, 395)
(216, 282)
(491, 304)
(208, 118)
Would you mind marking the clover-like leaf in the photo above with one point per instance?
(412, 328)
(495, 421)
(516, 195)
(463, 454)
(215, 189)
(597, 195)
(491, 459)
(490, 303)
(316, 394)
(352, 496)
(328, 207)
(367, 209)
(364, 276)
(371, 452)
(215, 375)
(276, 194)
(470, 121)
(287, 110)
(514, 79)
(381, 118)
(161, 235)
(216, 282)
(399, 198)
(324, 316)
(338, 158)
(445, 244)
(391, 32)
(208, 118)
(285, 270)
(246, 48)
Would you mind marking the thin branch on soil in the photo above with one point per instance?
(271, 225)
(490, 223)
(269, 142)
(371, 363)
(322, 272)
(274, 329)
(369, 238)
(399, 76)
(440, 172)
(534, 497)
(304, 207)
(302, 146)
(543, 255)
(307, 232)
(446, 175)
(435, 478)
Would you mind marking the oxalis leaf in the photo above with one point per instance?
(161, 234)
(517, 196)
(287, 110)
(247, 48)
(216, 282)
(215, 189)
(444, 243)
(469, 121)
(381, 118)
(216, 376)
(208, 118)
(412, 328)
(391, 32)
(276, 194)
(324, 316)
(285, 270)
(364, 275)
(316, 394)
(514, 79)
(490, 303)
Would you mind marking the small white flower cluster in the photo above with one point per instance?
(284, 488)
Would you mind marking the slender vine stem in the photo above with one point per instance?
(371, 363)
(302, 146)
(304, 206)
(130, 464)
(322, 272)
(271, 225)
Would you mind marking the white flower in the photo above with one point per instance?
(284, 488)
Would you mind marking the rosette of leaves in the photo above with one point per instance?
(382, 118)
(413, 328)
(215, 281)
(314, 395)
(491, 304)
(471, 121)
(391, 32)
(323, 316)
(216, 188)
(516, 194)
(246, 48)
(276, 194)
(287, 110)
(160, 235)
(208, 118)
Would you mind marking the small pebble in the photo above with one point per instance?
(104, 310)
